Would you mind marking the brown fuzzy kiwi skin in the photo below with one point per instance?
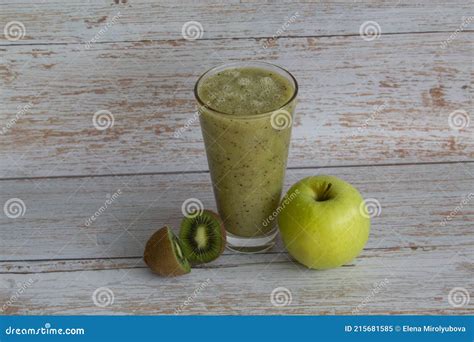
(223, 231)
(159, 255)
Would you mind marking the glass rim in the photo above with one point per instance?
(236, 64)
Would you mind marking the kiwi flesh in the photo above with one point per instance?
(164, 254)
(202, 237)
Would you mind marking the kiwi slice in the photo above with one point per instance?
(202, 237)
(164, 254)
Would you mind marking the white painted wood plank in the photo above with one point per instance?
(385, 101)
(76, 21)
(384, 281)
(414, 199)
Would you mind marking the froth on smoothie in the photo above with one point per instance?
(245, 91)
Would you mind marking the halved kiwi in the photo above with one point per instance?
(202, 237)
(164, 255)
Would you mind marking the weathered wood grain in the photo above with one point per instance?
(414, 200)
(79, 22)
(228, 259)
(396, 281)
(385, 101)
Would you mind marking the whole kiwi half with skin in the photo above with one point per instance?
(164, 254)
(202, 237)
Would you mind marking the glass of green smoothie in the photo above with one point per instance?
(246, 112)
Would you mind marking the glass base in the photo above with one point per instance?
(251, 244)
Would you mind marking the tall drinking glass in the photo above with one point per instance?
(246, 113)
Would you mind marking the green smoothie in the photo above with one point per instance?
(246, 150)
(245, 91)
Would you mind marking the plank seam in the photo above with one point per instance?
(230, 38)
(414, 247)
(130, 174)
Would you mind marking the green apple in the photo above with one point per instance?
(322, 222)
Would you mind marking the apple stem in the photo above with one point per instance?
(325, 194)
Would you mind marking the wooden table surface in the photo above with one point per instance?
(389, 113)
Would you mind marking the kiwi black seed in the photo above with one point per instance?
(202, 237)
(164, 254)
